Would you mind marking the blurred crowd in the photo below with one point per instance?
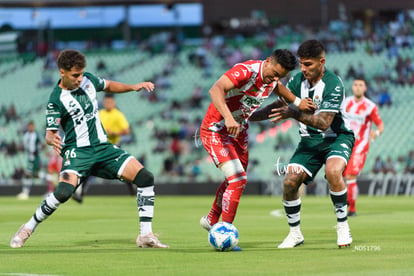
(176, 142)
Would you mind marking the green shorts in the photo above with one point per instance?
(312, 152)
(33, 166)
(103, 160)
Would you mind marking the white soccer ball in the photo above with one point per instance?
(223, 236)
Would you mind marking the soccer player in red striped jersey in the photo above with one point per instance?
(361, 112)
(235, 96)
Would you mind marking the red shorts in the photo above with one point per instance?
(355, 164)
(55, 164)
(224, 148)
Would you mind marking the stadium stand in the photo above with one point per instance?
(155, 119)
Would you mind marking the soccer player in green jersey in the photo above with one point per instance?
(33, 145)
(85, 149)
(326, 139)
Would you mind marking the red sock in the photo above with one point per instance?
(215, 211)
(231, 196)
(49, 182)
(352, 194)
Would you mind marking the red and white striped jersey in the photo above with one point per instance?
(361, 114)
(249, 93)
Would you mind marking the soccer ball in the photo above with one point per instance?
(223, 236)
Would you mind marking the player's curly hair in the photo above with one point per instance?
(311, 49)
(285, 58)
(70, 58)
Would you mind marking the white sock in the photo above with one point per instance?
(145, 202)
(31, 224)
(43, 213)
(145, 227)
(295, 228)
(27, 185)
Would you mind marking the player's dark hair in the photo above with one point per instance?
(311, 49)
(361, 79)
(109, 95)
(285, 58)
(70, 58)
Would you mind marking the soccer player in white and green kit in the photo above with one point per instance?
(325, 139)
(85, 149)
(33, 145)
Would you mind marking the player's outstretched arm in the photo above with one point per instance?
(119, 87)
(306, 105)
(321, 121)
(263, 113)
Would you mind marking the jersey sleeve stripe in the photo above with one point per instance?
(329, 110)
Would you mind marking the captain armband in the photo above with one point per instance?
(297, 101)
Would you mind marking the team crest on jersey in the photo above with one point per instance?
(254, 89)
(317, 101)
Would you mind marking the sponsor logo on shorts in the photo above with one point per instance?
(344, 146)
(224, 152)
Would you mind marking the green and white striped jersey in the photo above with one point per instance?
(32, 144)
(77, 112)
(328, 95)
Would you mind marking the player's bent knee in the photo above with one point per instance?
(290, 187)
(144, 178)
(64, 191)
(231, 168)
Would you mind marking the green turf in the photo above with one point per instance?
(98, 238)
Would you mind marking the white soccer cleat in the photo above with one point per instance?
(22, 196)
(293, 239)
(205, 223)
(344, 234)
(150, 240)
(21, 236)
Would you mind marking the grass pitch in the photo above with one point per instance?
(98, 238)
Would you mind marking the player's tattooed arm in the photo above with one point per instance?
(322, 120)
